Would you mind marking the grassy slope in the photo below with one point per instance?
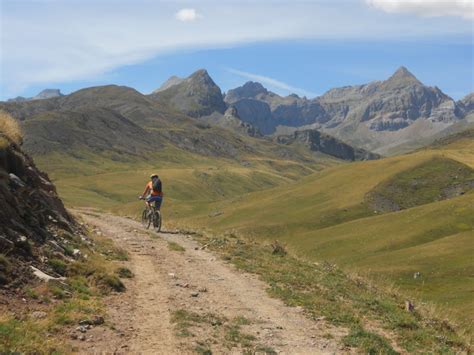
(191, 181)
(325, 216)
(321, 216)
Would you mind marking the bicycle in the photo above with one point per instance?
(151, 215)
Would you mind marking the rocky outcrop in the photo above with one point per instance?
(194, 96)
(34, 224)
(320, 142)
(233, 120)
(467, 104)
(257, 113)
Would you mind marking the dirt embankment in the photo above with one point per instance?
(34, 224)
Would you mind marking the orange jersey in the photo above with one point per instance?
(149, 188)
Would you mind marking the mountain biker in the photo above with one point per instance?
(153, 191)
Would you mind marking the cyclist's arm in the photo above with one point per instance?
(147, 189)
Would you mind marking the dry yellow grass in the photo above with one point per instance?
(10, 127)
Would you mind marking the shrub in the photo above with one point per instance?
(10, 127)
(278, 248)
(110, 282)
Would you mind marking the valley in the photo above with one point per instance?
(325, 177)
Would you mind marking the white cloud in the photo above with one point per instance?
(187, 15)
(427, 8)
(272, 83)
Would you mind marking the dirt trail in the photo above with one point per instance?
(195, 282)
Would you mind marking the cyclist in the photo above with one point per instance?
(153, 191)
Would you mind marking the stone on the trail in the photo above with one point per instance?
(39, 315)
(82, 329)
(172, 275)
(202, 289)
(194, 294)
(82, 337)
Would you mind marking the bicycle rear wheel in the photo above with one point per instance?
(146, 218)
(157, 221)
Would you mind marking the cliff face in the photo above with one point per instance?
(320, 142)
(33, 221)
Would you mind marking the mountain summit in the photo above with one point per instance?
(402, 77)
(403, 72)
(250, 89)
(45, 94)
(197, 95)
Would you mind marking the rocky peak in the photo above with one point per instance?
(172, 81)
(249, 90)
(45, 94)
(403, 72)
(467, 103)
(252, 87)
(48, 94)
(201, 76)
(196, 96)
(401, 77)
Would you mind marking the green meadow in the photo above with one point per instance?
(321, 210)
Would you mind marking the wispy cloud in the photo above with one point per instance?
(272, 83)
(427, 8)
(187, 15)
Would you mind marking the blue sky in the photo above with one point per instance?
(305, 47)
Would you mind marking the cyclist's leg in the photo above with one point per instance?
(157, 200)
(149, 202)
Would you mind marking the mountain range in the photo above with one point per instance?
(393, 115)
(378, 116)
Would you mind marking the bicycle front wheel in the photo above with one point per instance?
(146, 218)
